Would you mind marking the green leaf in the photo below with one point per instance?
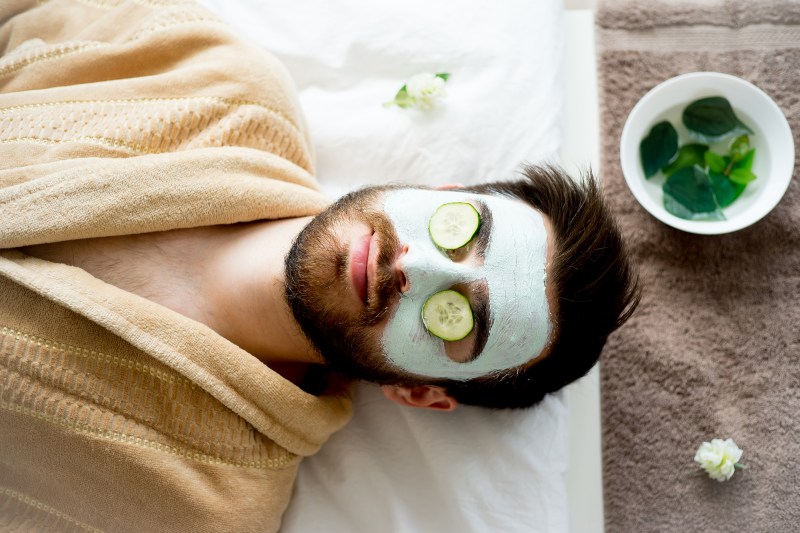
(713, 119)
(688, 194)
(747, 160)
(742, 176)
(402, 93)
(658, 148)
(401, 99)
(714, 161)
(739, 148)
(689, 155)
(725, 190)
(444, 75)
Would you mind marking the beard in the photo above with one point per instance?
(317, 286)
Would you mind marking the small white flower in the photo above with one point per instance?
(422, 91)
(719, 458)
(426, 89)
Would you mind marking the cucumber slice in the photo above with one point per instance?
(454, 224)
(448, 315)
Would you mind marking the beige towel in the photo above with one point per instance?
(116, 413)
(714, 349)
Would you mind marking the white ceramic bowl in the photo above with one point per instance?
(774, 158)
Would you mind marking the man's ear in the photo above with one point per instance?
(447, 186)
(427, 396)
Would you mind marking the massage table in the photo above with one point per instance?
(522, 88)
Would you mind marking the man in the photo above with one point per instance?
(172, 281)
(225, 278)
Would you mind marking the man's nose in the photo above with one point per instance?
(421, 269)
(400, 273)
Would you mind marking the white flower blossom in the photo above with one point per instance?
(422, 91)
(719, 458)
(425, 89)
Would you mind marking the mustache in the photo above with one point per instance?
(385, 282)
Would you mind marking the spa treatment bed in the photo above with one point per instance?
(517, 83)
(124, 118)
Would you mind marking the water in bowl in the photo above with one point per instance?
(761, 166)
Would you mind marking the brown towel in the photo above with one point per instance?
(714, 349)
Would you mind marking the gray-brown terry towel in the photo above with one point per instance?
(714, 349)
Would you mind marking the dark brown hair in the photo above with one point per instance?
(596, 288)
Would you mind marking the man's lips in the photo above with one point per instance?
(359, 259)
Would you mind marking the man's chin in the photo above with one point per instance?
(320, 295)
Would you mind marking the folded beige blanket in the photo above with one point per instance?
(714, 349)
(116, 413)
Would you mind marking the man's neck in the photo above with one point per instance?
(244, 290)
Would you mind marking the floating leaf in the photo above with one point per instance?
(689, 155)
(444, 75)
(713, 119)
(747, 160)
(688, 194)
(739, 148)
(714, 161)
(725, 190)
(658, 148)
(742, 176)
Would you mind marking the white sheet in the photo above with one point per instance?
(395, 468)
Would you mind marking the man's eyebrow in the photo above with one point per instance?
(480, 302)
(485, 231)
(481, 313)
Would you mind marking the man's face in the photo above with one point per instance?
(360, 273)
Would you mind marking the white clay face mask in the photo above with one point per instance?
(514, 269)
